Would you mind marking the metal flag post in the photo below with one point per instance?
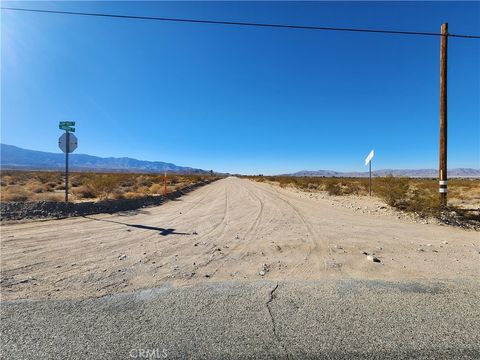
(368, 161)
(370, 178)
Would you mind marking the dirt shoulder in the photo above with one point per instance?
(233, 229)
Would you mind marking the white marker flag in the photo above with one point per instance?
(369, 157)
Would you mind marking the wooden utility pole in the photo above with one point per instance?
(443, 116)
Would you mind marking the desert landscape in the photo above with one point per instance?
(233, 230)
(240, 180)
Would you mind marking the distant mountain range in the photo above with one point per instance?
(13, 157)
(415, 173)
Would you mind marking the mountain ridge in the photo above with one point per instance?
(415, 173)
(14, 157)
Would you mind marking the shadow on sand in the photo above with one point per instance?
(162, 231)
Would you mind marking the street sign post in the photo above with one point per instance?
(368, 161)
(67, 143)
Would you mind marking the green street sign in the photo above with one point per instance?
(67, 123)
(67, 128)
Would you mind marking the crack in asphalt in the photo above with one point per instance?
(274, 326)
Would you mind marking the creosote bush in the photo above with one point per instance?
(392, 190)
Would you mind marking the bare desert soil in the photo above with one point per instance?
(231, 229)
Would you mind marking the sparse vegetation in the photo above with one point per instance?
(14, 193)
(44, 185)
(407, 194)
(392, 190)
(333, 188)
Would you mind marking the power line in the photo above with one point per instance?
(217, 22)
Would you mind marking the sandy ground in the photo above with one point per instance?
(227, 231)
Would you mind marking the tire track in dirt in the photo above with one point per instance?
(223, 224)
(315, 248)
(247, 240)
(197, 203)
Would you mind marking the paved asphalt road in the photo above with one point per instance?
(326, 319)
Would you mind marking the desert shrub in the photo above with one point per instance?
(35, 187)
(283, 184)
(49, 186)
(44, 177)
(194, 178)
(103, 186)
(129, 182)
(303, 183)
(131, 195)
(7, 180)
(75, 182)
(333, 188)
(363, 184)
(84, 192)
(144, 181)
(424, 202)
(118, 194)
(392, 190)
(156, 189)
(38, 189)
(350, 188)
(143, 191)
(60, 186)
(14, 193)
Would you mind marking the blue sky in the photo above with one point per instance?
(237, 99)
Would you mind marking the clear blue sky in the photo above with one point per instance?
(243, 99)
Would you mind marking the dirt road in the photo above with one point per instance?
(226, 231)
